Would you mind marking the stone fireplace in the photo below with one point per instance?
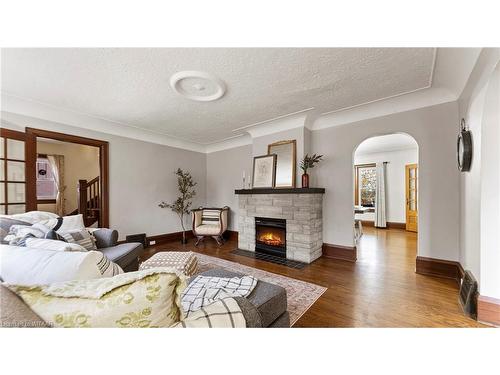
(297, 212)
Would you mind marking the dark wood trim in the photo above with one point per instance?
(177, 236)
(12, 134)
(281, 191)
(440, 268)
(231, 235)
(348, 253)
(488, 310)
(45, 201)
(168, 237)
(31, 155)
(65, 137)
(390, 224)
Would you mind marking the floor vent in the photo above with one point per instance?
(468, 291)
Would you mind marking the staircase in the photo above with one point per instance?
(89, 201)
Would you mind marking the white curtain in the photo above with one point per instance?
(57, 165)
(380, 219)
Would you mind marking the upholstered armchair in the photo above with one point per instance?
(210, 222)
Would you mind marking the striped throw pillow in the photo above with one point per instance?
(106, 267)
(210, 217)
(81, 237)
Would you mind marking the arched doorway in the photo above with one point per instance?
(386, 198)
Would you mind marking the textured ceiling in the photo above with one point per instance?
(131, 86)
(384, 143)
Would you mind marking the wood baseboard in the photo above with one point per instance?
(488, 310)
(177, 236)
(231, 235)
(167, 237)
(348, 253)
(440, 268)
(390, 224)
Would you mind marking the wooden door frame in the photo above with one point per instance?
(31, 137)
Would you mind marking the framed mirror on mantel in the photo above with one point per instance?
(286, 162)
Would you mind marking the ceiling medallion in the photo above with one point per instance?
(198, 86)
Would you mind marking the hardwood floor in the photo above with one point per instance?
(380, 290)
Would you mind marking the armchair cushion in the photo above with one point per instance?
(208, 229)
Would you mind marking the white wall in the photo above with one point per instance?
(435, 129)
(80, 162)
(479, 188)
(395, 181)
(490, 190)
(141, 176)
(224, 175)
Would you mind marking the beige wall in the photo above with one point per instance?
(224, 175)
(81, 162)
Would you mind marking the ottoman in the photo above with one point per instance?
(268, 299)
(183, 261)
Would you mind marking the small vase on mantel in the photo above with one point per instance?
(306, 163)
(305, 181)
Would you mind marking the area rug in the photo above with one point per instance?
(300, 294)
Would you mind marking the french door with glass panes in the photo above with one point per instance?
(12, 172)
(412, 197)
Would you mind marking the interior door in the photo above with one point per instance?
(411, 197)
(12, 172)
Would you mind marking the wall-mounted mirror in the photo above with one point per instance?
(286, 162)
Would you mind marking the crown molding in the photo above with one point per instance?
(403, 103)
(233, 142)
(278, 124)
(30, 108)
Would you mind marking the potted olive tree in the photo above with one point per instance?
(181, 206)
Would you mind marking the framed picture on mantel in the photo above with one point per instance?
(264, 171)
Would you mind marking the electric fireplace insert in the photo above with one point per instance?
(270, 236)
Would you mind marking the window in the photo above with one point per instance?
(46, 188)
(12, 172)
(365, 185)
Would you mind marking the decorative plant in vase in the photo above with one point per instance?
(305, 164)
(181, 206)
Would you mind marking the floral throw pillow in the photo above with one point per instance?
(149, 298)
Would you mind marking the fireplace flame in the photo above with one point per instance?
(271, 239)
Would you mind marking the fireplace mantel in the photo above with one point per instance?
(281, 191)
